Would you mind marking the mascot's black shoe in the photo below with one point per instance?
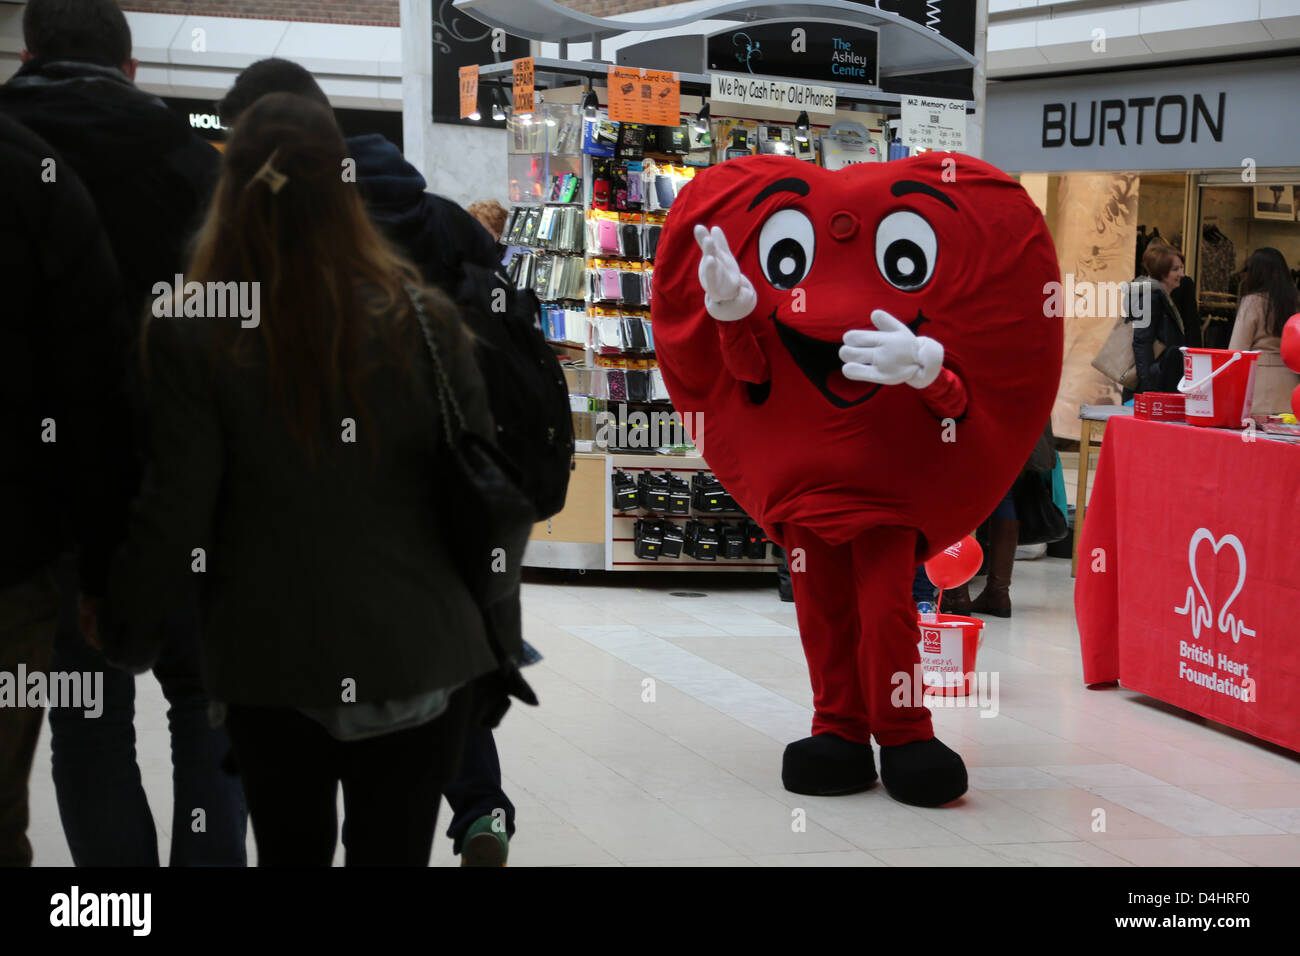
(827, 766)
(923, 773)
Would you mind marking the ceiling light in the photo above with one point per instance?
(702, 120)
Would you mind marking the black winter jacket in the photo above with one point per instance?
(149, 173)
(1155, 320)
(62, 346)
(436, 234)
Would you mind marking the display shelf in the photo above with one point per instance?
(589, 533)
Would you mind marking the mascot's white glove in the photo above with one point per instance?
(728, 295)
(890, 354)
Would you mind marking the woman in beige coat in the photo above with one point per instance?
(1268, 299)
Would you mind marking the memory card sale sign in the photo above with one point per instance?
(778, 94)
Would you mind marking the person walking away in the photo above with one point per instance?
(305, 456)
(149, 176)
(449, 246)
(64, 440)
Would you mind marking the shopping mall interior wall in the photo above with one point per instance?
(370, 12)
(1095, 235)
(1230, 208)
(1160, 206)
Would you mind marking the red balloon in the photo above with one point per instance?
(956, 564)
(1291, 343)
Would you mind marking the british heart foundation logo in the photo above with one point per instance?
(932, 640)
(1197, 605)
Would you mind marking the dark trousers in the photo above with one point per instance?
(29, 616)
(476, 791)
(922, 586)
(102, 803)
(292, 769)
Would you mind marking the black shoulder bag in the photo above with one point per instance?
(492, 520)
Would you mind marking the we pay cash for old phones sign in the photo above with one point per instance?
(933, 123)
(778, 94)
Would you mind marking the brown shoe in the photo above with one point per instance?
(955, 600)
(995, 599)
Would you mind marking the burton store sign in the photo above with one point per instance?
(1176, 118)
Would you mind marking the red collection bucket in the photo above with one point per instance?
(948, 648)
(1219, 385)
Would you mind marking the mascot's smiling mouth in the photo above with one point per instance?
(820, 362)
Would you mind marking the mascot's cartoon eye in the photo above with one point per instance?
(785, 248)
(905, 250)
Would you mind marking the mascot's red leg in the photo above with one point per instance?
(858, 627)
(837, 758)
(914, 767)
(884, 560)
(822, 578)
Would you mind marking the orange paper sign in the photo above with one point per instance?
(652, 97)
(523, 86)
(468, 90)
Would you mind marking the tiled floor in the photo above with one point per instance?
(663, 719)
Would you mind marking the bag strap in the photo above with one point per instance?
(452, 417)
(447, 402)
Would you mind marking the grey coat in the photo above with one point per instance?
(317, 571)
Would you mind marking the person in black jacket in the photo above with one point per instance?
(61, 425)
(442, 240)
(432, 231)
(1156, 320)
(300, 456)
(149, 176)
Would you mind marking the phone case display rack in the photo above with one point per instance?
(656, 514)
(589, 200)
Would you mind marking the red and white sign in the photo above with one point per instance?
(1189, 574)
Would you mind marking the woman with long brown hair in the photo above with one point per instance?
(1268, 298)
(296, 470)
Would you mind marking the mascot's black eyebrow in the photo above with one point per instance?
(905, 186)
(788, 185)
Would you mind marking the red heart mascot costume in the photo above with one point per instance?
(868, 354)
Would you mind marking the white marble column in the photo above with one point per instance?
(975, 124)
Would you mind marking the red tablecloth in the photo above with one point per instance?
(1189, 574)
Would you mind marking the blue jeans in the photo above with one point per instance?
(1007, 506)
(102, 803)
(922, 588)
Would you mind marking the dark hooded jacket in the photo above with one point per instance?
(149, 177)
(436, 234)
(149, 174)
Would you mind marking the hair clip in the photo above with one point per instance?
(273, 178)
